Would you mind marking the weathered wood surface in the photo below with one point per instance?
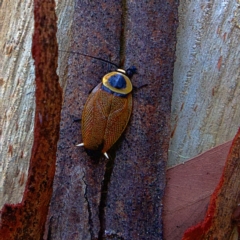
(119, 199)
(205, 110)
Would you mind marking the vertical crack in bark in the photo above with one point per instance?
(110, 163)
(49, 232)
(90, 221)
(103, 200)
(123, 33)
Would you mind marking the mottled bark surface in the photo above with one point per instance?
(205, 110)
(26, 220)
(134, 201)
(119, 198)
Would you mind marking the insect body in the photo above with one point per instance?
(107, 112)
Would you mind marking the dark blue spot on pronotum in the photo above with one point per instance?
(117, 81)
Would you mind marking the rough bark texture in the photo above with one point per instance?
(120, 198)
(220, 221)
(205, 110)
(26, 220)
(134, 201)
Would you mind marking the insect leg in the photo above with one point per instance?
(80, 145)
(106, 155)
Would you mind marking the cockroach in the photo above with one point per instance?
(107, 111)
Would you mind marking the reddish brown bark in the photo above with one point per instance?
(219, 221)
(26, 220)
(188, 190)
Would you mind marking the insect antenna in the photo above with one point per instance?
(86, 55)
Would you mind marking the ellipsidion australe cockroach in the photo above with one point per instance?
(107, 112)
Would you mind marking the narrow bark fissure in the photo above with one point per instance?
(90, 221)
(49, 231)
(103, 199)
(123, 34)
(104, 193)
(110, 163)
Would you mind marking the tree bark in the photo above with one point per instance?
(205, 110)
(17, 98)
(222, 217)
(26, 220)
(205, 96)
(119, 198)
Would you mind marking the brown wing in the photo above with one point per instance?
(94, 120)
(117, 121)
